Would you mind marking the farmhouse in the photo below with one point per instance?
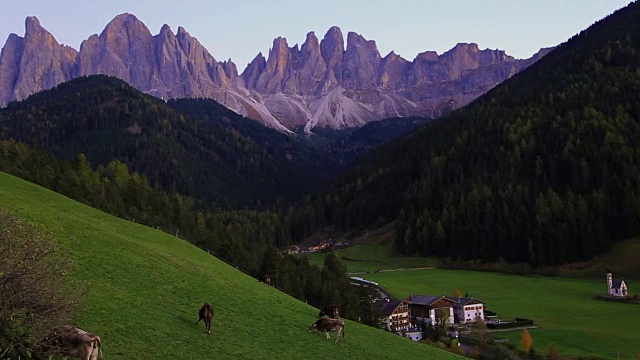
(467, 310)
(616, 288)
(293, 249)
(430, 309)
(395, 315)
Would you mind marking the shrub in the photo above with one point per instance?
(33, 295)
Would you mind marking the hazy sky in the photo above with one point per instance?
(239, 29)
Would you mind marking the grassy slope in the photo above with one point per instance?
(145, 287)
(564, 309)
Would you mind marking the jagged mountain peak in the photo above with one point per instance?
(311, 42)
(333, 32)
(128, 21)
(279, 43)
(165, 29)
(427, 56)
(354, 40)
(328, 82)
(32, 23)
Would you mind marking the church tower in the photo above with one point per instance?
(609, 281)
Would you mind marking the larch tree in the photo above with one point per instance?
(526, 341)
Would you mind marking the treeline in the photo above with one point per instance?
(249, 240)
(542, 169)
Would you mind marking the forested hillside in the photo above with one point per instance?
(543, 169)
(348, 145)
(206, 158)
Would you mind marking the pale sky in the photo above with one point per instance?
(239, 29)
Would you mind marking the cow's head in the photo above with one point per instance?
(313, 327)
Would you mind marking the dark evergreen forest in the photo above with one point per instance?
(230, 163)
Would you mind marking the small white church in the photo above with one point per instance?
(616, 288)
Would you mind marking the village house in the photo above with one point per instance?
(395, 315)
(434, 310)
(323, 245)
(293, 249)
(616, 288)
(467, 310)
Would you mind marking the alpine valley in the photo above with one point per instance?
(140, 178)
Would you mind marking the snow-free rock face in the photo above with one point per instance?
(321, 83)
(33, 63)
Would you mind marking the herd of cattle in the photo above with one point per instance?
(70, 341)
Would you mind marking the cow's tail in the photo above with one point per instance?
(343, 328)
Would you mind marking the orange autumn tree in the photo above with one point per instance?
(457, 294)
(526, 341)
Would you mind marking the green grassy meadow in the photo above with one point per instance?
(374, 254)
(144, 289)
(564, 309)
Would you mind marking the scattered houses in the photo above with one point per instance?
(326, 244)
(407, 317)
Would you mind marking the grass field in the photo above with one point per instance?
(374, 254)
(145, 288)
(565, 309)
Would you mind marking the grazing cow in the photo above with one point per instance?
(70, 341)
(265, 279)
(327, 325)
(206, 314)
(331, 311)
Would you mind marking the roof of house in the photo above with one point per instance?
(425, 300)
(464, 301)
(389, 307)
(618, 284)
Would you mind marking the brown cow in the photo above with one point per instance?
(331, 311)
(265, 279)
(327, 325)
(70, 341)
(206, 314)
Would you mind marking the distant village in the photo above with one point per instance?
(408, 317)
(322, 245)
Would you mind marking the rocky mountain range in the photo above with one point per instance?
(323, 83)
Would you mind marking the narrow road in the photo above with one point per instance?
(389, 270)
